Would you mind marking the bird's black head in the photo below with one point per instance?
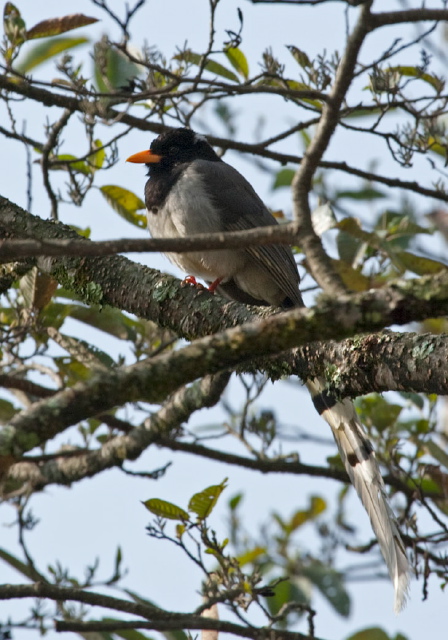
(182, 145)
(173, 148)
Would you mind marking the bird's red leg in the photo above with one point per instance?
(213, 286)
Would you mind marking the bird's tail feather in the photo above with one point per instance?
(360, 463)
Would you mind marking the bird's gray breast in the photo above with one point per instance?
(188, 209)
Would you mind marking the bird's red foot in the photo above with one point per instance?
(192, 282)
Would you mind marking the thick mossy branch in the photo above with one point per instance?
(379, 362)
(149, 294)
(154, 379)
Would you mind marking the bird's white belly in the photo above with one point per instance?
(188, 211)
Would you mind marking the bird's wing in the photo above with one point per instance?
(242, 209)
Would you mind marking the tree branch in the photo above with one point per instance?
(153, 379)
(320, 263)
(65, 470)
(97, 108)
(281, 234)
(408, 15)
(159, 618)
(121, 283)
(185, 621)
(379, 362)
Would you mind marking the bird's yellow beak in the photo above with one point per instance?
(144, 157)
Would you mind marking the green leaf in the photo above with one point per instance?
(56, 26)
(250, 556)
(210, 65)
(306, 138)
(378, 412)
(330, 584)
(136, 597)
(72, 370)
(363, 113)
(371, 633)
(45, 50)
(287, 591)
(367, 193)
(118, 560)
(113, 70)
(235, 501)
(203, 503)
(414, 72)
(89, 354)
(399, 224)
(426, 485)
(415, 398)
(349, 247)
(13, 25)
(436, 146)
(419, 265)
(165, 509)
(108, 319)
(437, 452)
(422, 426)
(66, 161)
(283, 178)
(353, 227)
(125, 203)
(169, 635)
(175, 635)
(7, 411)
(17, 564)
(299, 56)
(353, 279)
(435, 325)
(301, 86)
(126, 634)
(238, 61)
(97, 159)
(317, 506)
(54, 314)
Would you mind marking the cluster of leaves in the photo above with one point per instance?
(40, 310)
(16, 34)
(368, 258)
(288, 576)
(228, 582)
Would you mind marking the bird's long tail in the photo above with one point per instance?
(360, 463)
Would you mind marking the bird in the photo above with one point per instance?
(192, 190)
